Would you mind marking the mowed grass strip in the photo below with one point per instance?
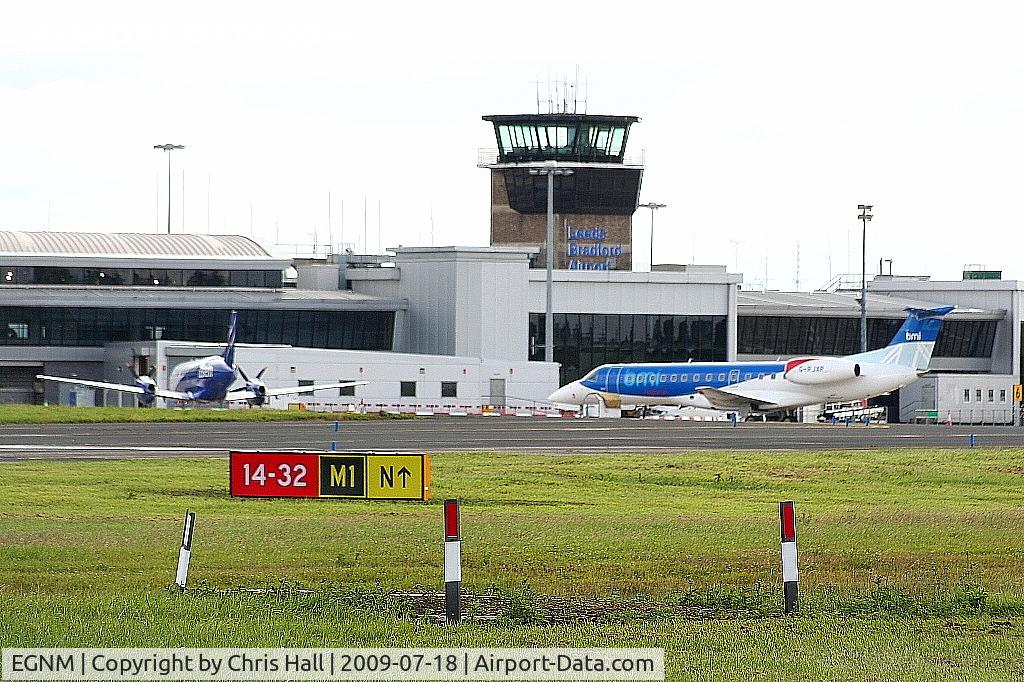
(919, 521)
(804, 648)
(40, 414)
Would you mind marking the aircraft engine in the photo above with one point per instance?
(811, 371)
(260, 390)
(256, 386)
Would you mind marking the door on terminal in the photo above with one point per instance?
(497, 393)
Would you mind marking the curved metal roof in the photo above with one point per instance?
(129, 244)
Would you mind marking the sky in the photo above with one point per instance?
(764, 125)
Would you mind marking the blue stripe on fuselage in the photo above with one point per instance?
(675, 379)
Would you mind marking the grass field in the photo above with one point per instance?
(911, 561)
(54, 414)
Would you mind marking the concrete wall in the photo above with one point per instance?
(463, 301)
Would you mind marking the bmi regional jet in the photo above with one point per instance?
(746, 387)
(207, 379)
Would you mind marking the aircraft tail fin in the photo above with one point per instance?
(913, 344)
(229, 352)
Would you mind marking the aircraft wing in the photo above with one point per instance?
(124, 388)
(731, 397)
(246, 394)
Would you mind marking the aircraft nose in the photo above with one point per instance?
(570, 394)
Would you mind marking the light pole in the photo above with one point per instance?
(654, 207)
(550, 170)
(864, 217)
(168, 148)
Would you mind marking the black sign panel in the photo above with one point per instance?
(342, 476)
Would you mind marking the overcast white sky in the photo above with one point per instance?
(764, 124)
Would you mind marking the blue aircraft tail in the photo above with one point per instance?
(913, 344)
(229, 352)
(922, 324)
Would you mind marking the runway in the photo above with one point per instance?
(454, 434)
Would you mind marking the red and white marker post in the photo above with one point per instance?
(790, 574)
(185, 551)
(452, 561)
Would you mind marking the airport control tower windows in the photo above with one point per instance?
(561, 137)
(538, 141)
(546, 139)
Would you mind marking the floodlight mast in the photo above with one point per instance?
(654, 207)
(550, 169)
(168, 148)
(864, 217)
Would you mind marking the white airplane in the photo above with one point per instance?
(746, 387)
(207, 379)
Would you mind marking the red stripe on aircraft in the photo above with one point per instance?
(796, 363)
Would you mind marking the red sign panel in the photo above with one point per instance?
(273, 474)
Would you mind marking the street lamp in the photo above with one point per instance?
(864, 217)
(168, 148)
(550, 170)
(654, 207)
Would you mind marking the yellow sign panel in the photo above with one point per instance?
(397, 477)
(1018, 393)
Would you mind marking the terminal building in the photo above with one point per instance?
(453, 326)
(461, 327)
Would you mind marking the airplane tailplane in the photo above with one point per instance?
(229, 352)
(913, 344)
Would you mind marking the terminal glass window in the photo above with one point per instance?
(584, 341)
(449, 389)
(66, 326)
(966, 339)
(408, 389)
(140, 277)
(787, 336)
(346, 390)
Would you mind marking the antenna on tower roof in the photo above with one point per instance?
(576, 92)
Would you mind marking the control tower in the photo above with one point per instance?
(593, 205)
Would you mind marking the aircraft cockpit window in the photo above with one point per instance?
(592, 375)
